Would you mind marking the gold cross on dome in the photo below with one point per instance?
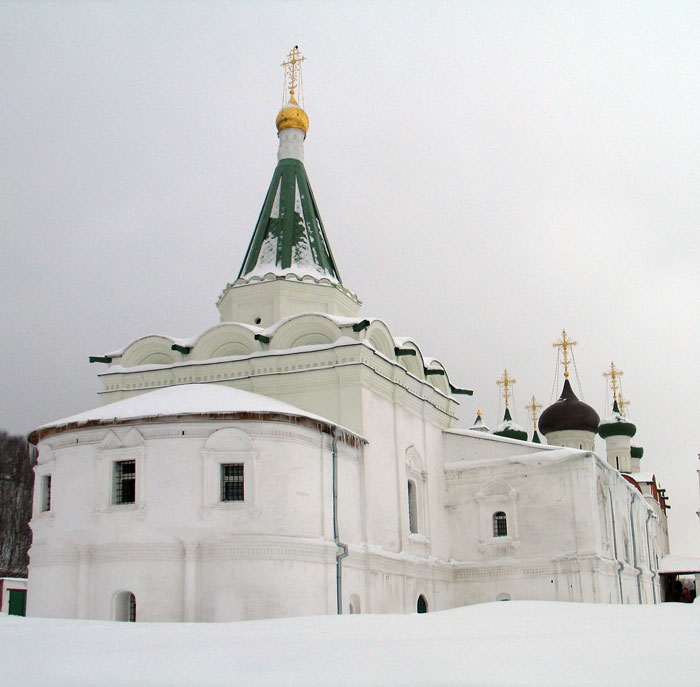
(614, 375)
(292, 70)
(565, 344)
(506, 382)
(622, 405)
(532, 407)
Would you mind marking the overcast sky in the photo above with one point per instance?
(488, 174)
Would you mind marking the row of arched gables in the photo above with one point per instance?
(308, 329)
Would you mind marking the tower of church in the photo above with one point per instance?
(569, 421)
(289, 267)
(618, 431)
(509, 428)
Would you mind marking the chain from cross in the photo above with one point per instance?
(614, 375)
(565, 344)
(292, 70)
(506, 382)
(532, 407)
(622, 404)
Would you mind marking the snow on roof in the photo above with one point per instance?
(480, 434)
(556, 455)
(679, 564)
(509, 424)
(186, 399)
(191, 341)
(615, 417)
(342, 341)
(298, 271)
(642, 476)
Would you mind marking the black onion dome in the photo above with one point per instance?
(616, 425)
(568, 413)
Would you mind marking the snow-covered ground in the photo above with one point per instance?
(514, 643)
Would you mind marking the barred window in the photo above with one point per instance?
(125, 607)
(46, 493)
(412, 507)
(132, 608)
(124, 482)
(232, 482)
(500, 525)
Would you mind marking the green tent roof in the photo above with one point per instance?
(289, 236)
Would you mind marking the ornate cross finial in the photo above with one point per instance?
(614, 375)
(622, 404)
(532, 407)
(478, 411)
(565, 344)
(292, 70)
(506, 382)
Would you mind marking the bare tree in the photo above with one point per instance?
(17, 458)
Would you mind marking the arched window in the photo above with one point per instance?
(412, 507)
(500, 526)
(421, 605)
(354, 605)
(125, 607)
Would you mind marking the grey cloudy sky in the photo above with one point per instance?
(488, 174)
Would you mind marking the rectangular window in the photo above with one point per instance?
(125, 482)
(232, 482)
(412, 508)
(45, 493)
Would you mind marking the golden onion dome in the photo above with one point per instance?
(291, 116)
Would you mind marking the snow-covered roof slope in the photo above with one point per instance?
(642, 476)
(186, 399)
(289, 238)
(679, 564)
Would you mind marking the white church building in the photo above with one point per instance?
(298, 458)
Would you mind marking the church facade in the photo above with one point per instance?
(298, 458)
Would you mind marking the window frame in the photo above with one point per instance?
(45, 496)
(119, 478)
(228, 445)
(500, 524)
(413, 527)
(112, 450)
(45, 467)
(234, 481)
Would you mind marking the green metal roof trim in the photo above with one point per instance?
(509, 429)
(636, 451)
(616, 425)
(289, 234)
(512, 434)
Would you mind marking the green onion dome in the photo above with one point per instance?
(568, 413)
(510, 429)
(636, 451)
(616, 425)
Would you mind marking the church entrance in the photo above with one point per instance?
(17, 604)
(421, 605)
